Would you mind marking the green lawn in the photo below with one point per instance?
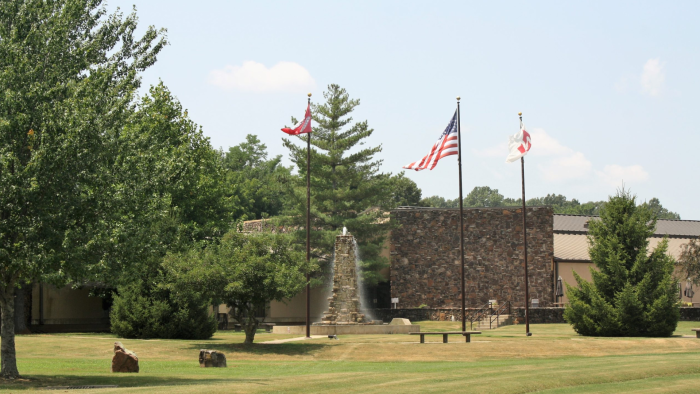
(553, 360)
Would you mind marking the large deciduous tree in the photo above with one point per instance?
(347, 189)
(245, 271)
(660, 212)
(484, 196)
(259, 184)
(68, 73)
(633, 293)
(169, 186)
(689, 261)
(404, 191)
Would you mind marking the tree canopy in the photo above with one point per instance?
(172, 196)
(246, 271)
(260, 185)
(484, 196)
(69, 73)
(404, 192)
(660, 212)
(689, 261)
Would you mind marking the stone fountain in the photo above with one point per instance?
(344, 304)
(344, 314)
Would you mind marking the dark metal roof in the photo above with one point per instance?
(672, 228)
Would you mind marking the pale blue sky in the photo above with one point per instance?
(608, 90)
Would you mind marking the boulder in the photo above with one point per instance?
(212, 358)
(400, 322)
(124, 360)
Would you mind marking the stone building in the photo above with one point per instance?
(425, 260)
(425, 264)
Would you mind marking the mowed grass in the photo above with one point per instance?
(554, 360)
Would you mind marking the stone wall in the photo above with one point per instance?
(537, 315)
(425, 260)
(263, 225)
(690, 314)
(540, 315)
(420, 314)
(556, 315)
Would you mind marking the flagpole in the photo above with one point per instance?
(308, 228)
(527, 292)
(461, 213)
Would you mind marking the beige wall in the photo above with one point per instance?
(567, 268)
(67, 306)
(681, 278)
(294, 310)
(566, 271)
(386, 253)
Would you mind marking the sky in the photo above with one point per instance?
(608, 90)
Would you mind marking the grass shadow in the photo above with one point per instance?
(33, 382)
(286, 349)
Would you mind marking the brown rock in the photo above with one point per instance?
(212, 358)
(124, 360)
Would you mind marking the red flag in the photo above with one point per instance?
(303, 126)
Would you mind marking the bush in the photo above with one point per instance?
(142, 312)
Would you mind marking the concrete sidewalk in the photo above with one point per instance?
(292, 339)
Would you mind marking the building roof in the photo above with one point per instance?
(672, 228)
(574, 247)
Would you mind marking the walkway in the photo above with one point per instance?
(293, 339)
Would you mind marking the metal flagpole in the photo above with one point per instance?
(461, 213)
(308, 228)
(527, 292)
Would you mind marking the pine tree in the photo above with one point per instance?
(347, 189)
(634, 292)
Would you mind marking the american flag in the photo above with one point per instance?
(446, 145)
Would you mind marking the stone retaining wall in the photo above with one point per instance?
(425, 256)
(540, 315)
(419, 314)
(537, 315)
(556, 315)
(690, 314)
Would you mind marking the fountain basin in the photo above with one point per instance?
(347, 329)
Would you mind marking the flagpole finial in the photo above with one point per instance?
(458, 98)
(309, 94)
(520, 114)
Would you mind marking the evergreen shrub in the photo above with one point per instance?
(633, 293)
(142, 312)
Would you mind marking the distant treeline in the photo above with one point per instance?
(484, 196)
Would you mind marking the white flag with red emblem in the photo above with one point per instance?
(518, 144)
(304, 126)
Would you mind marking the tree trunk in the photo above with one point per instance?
(7, 345)
(250, 327)
(20, 309)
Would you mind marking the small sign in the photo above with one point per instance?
(535, 303)
(394, 300)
